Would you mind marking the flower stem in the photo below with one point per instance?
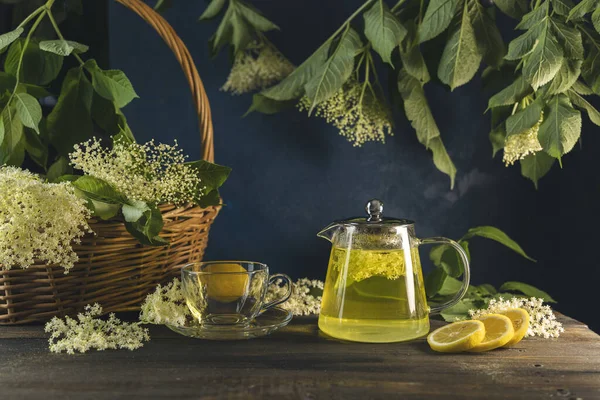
(58, 32)
(27, 40)
(31, 16)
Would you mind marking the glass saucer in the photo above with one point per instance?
(266, 323)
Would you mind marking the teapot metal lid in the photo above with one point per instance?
(374, 209)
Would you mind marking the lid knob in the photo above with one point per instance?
(375, 209)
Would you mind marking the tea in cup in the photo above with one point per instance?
(229, 292)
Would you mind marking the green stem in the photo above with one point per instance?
(364, 88)
(31, 16)
(58, 32)
(397, 6)
(27, 40)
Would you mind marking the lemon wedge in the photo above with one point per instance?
(225, 287)
(457, 336)
(520, 322)
(498, 332)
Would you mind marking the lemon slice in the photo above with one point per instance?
(226, 287)
(498, 332)
(520, 322)
(457, 336)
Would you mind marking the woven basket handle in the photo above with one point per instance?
(189, 68)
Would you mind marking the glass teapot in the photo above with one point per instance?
(374, 290)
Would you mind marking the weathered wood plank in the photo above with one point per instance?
(300, 363)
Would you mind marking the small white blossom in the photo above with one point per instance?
(357, 113)
(257, 67)
(38, 221)
(542, 321)
(154, 173)
(89, 332)
(303, 300)
(166, 305)
(519, 146)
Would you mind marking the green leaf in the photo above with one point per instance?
(445, 257)
(383, 30)
(59, 168)
(562, 7)
(12, 150)
(434, 281)
(148, 227)
(292, 86)
(561, 127)
(63, 47)
(596, 19)
(38, 67)
(450, 287)
(111, 84)
(460, 311)
(498, 133)
(437, 18)
(565, 78)
(461, 57)
(535, 166)
(411, 56)
(419, 114)
(527, 290)
(135, 210)
(9, 37)
(224, 32)
(162, 5)
(330, 77)
(265, 105)
(37, 150)
(103, 210)
(524, 119)
(582, 8)
(590, 69)
(487, 36)
(583, 104)
(70, 121)
(487, 289)
(511, 94)
(213, 9)
(99, 190)
(534, 17)
(582, 89)
(569, 38)
(544, 61)
(493, 233)
(212, 198)
(28, 110)
(513, 8)
(255, 18)
(524, 44)
(241, 32)
(212, 176)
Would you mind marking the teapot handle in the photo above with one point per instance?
(466, 275)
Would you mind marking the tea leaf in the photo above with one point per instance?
(9, 37)
(527, 290)
(561, 127)
(213, 9)
(490, 232)
(63, 47)
(487, 36)
(535, 166)
(330, 77)
(513, 8)
(461, 57)
(437, 18)
(111, 84)
(524, 119)
(28, 110)
(383, 30)
(583, 104)
(511, 94)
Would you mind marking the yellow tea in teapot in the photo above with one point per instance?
(374, 296)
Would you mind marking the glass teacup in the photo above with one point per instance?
(229, 292)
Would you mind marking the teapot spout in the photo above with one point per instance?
(329, 231)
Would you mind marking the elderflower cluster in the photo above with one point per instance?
(358, 114)
(166, 306)
(303, 301)
(519, 146)
(89, 332)
(257, 67)
(542, 321)
(154, 173)
(38, 221)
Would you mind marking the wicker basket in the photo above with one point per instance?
(114, 269)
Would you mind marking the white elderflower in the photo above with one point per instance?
(519, 146)
(542, 321)
(304, 300)
(257, 67)
(154, 173)
(357, 113)
(166, 306)
(89, 332)
(38, 221)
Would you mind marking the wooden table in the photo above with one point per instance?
(299, 363)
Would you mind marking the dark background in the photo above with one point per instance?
(292, 175)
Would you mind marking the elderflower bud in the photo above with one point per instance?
(257, 67)
(519, 146)
(89, 332)
(542, 321)
(39, 221)
(358, 114)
